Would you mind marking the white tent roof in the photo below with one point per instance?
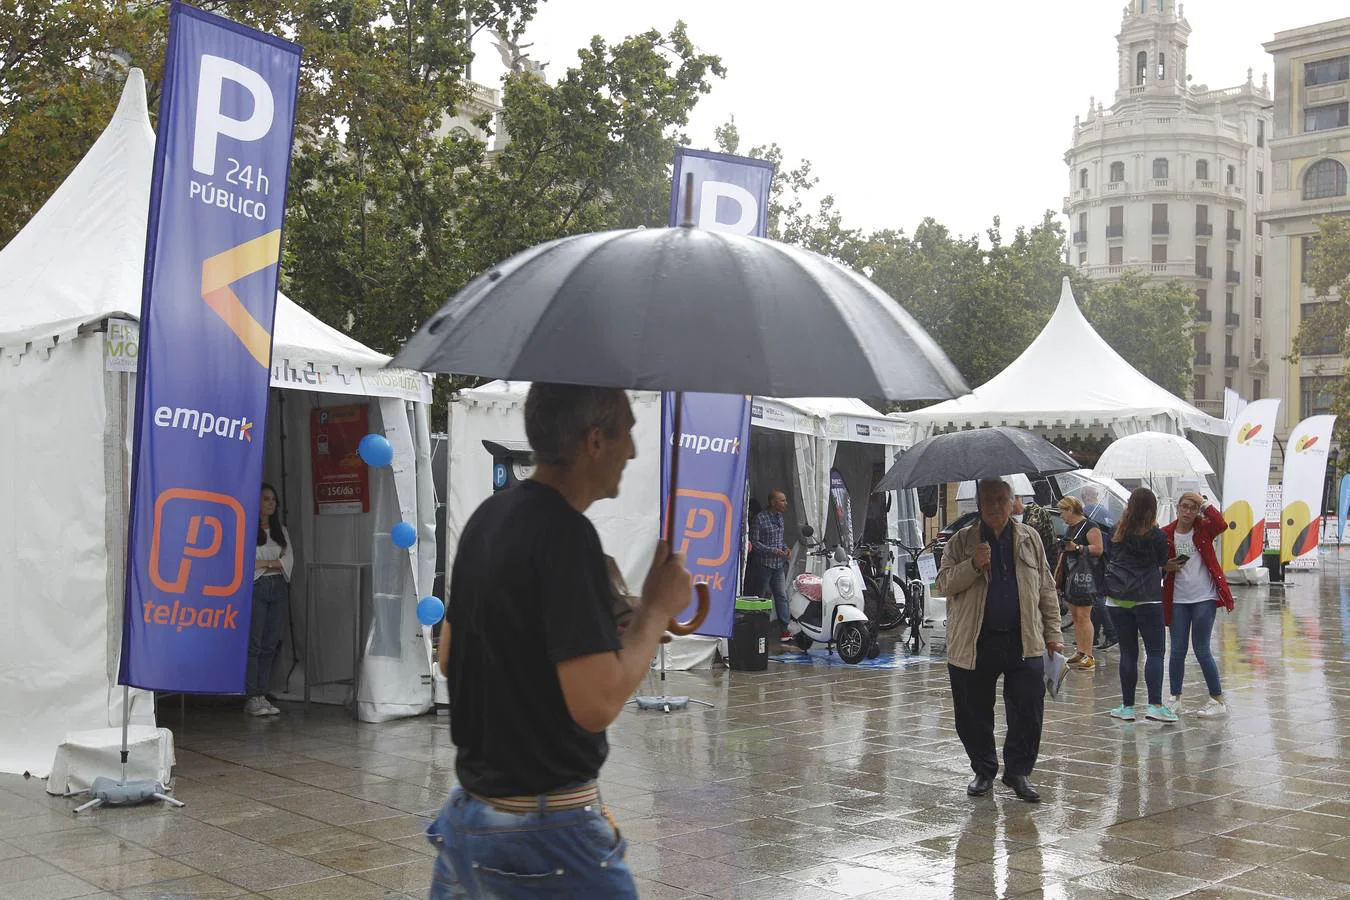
(79, 260)
(1038, 389)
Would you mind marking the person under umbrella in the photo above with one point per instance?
(1002, 615)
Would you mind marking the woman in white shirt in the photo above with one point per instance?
(271, 598)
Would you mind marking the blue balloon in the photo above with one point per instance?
(376, 450)
(403, 535)
(430, 610)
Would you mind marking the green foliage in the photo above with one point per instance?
(1329, 277)
(1150, 323)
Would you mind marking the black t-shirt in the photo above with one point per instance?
(1002, 607)
(529, 589)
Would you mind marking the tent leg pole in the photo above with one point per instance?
(126, 718)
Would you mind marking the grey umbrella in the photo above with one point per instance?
(683, 309)
(972, 455)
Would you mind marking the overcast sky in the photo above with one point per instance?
(959, 110)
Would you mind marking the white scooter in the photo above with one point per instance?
(828, 609)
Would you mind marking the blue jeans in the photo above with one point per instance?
(774, 581)
(1143, 621)
(271, 599)
(494, 855)
(1193, 623)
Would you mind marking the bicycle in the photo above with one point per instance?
(915, 590)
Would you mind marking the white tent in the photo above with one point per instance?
(70, 284)
(794, 444)
(1070, 382)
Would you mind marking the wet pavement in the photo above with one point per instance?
(802, 782)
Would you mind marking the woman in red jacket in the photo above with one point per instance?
(1193, 590)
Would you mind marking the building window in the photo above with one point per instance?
(1230, 263)
(1117, 172)
(1260, 132)
(1082, 224)
(1162, 64)
(1256, 387)
(1316, 395)
(1199, 341)
(1320, 118)
(1202, 170)
(1160, 168)
(1228, 301)
(1232, 174)
(1082, 178)
(1117, 256)
(1117, 223)
(1256, 308)
(1160, 253)
(1256, 348)
(1324, 178)
(1328, 344)
(1202, 298)
(1258, 265)
(1082, 257)
(1201, 256)
(1260, 182)
(1199, 386)
(1308, 244)
(1327, 71)
(1228, 382)
(1201, 217)
(1141, 67)
(1232, 220)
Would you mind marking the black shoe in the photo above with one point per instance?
(1022, 788)
(980, 785)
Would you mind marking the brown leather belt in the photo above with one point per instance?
(554, 801)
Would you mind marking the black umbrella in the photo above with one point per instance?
(972, 455)
(681, 309)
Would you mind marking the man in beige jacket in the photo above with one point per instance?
(1002, 614)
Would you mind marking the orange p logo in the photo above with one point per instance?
(190, 529)
(704, 515)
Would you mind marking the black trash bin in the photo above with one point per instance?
(1271, 558)
(750, 634)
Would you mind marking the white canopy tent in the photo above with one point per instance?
(1095, 393)
(70, 286)
(793, 446)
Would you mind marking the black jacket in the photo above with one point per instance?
(1135, 570)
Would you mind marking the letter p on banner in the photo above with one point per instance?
(207, 307)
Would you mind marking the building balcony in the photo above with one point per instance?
(1162, 228)
(1232, 320)
(1235, 234)
(1205, 184)
(1204, 229)
(1160, 184)
(1115, 231)
(1203, 359)
(1117, 187)
(1080, 237)
(1209, 407)
(1205, 272)
(1116, 270)
(1230, 361)
(1204, 315)
(1234, 277)
(1234, 190)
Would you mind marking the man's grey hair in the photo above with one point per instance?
(558, 417)
(992, 488)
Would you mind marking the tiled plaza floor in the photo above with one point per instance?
(801, 783)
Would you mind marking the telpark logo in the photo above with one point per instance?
(1247, 432)
(204, 423)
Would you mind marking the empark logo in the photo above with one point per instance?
(1247, 432)
(1305, 443)
(204, 423)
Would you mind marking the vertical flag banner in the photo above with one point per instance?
(710, 502)
(731, 193)
(212, 250)
(1305, 470)
(1245, 476)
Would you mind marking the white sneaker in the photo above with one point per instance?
(1213, 708)
(1174, 703)
(271, 710)
(256, 706)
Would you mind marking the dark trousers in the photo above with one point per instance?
(1143, 622)
(1101, 620)
(1023, 704)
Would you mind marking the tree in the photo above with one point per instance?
(1150, 323)
(1329, 326)
(982, 304)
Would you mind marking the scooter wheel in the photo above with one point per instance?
(852, 641)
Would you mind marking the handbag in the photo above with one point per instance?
(1081, 580)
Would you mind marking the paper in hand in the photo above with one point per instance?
(1056, 670)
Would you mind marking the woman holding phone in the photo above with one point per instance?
(1193, 590)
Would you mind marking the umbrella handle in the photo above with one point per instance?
(682, 628)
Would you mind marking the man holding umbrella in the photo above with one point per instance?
(536, 667)
(1002, 615)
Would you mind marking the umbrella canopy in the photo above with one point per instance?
(1153, 453)
(973, 455)
(682, 309)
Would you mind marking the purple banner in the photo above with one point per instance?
(218, 198)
